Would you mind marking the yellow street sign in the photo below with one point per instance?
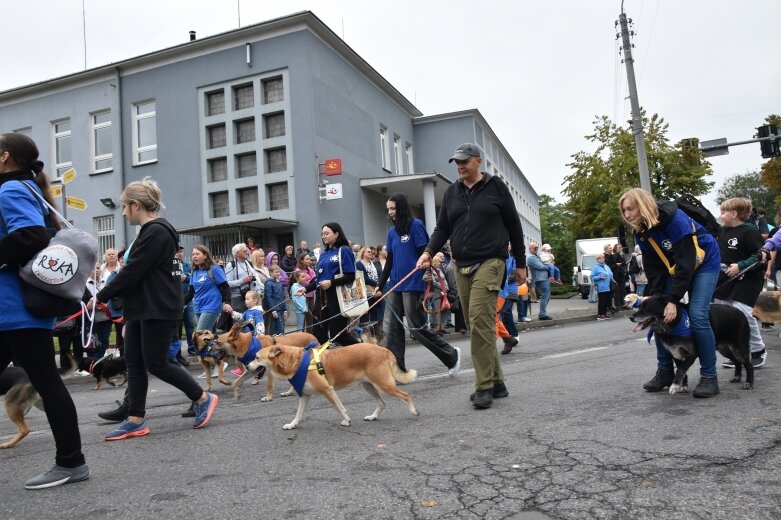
(76, 203)
(68, 176)
(55, 191)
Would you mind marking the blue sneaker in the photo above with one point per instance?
(203, 411)
(58, 476)
(128, 429)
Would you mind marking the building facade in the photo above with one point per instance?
(239, 130)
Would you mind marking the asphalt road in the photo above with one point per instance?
(577, 438)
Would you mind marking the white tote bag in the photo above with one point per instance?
(353, 299)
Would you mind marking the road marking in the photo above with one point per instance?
(438, 376)
(574, 352)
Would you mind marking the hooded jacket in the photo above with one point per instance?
(674, 234)
(151, 280)
(479, 223)
(283, 278)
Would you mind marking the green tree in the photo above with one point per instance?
(750, 186)
(771, 170)
(554, 221)
(598, 178)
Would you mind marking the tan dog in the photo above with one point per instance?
(767, 309)
(631, 299)
(372, 366)
(237, 344)
(202, 338)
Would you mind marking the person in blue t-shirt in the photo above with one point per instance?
(679, 256)
(406, 241)
(208, 289)
(24, 338)
(335, 267)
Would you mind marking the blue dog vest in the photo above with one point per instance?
(299, 378)
(254, 348)
(682, 328)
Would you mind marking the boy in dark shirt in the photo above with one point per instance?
(739, 244)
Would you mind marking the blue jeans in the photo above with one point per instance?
(543, 293)
(506, 315)
(640, 289)
(276, 325)
(700, 296)
(300, 319)
(553, 271)
(206, 320)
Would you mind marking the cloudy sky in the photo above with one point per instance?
(539, 71)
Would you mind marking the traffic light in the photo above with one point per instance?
(770, 148)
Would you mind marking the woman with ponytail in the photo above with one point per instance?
(26, 338)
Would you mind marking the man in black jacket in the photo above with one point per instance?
(479, 216)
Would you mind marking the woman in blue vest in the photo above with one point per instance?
(668, 236)
(25, 338)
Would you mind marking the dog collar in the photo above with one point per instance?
(254, 348)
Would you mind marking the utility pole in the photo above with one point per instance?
(637, 121)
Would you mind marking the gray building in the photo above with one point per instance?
(240, 130)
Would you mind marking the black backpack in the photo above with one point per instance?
(699, 213)
(634, 267)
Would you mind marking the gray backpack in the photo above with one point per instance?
(54, 280)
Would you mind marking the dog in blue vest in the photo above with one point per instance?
(729, 325)
(244, 346)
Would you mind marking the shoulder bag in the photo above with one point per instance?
(353, 300)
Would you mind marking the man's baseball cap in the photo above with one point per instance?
(465, 151)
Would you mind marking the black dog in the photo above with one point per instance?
(730, 328)
(105, 369)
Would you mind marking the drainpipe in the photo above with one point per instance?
(120, 229)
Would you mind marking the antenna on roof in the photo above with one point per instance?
(84, 31)
(238, 9)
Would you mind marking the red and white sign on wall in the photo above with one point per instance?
(333, 167)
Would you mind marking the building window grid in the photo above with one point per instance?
(247, 165)
(217, 136)
(248, 200)
(397, 153)
(273, 90)
(102, 149)
(276, 160)
(218, 169)
(243, 97)
(62, 146)
(277, 196)
(274, 125)
(220, 206)
(104, 232)
(384, 148)
(410, 160)
(215, 102)
(145, 132)
(245, 131)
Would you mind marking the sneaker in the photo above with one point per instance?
(758, 358)
(117, 415)
(526, 320)
(608, 316)
(707, 387)
(768, 326)
(663, 378)
(238, 372)
(500, 390)
(190, 411)
(128, 429)
(81, 373)
(191, 350)
(455, 368)
(601, 317)
(58, 476)
(544, 318)
(483, 399)
(203, 411)
(728, 364)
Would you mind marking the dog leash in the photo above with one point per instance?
(739, 275)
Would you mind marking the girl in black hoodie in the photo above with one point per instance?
(150, 282)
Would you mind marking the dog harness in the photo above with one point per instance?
(299, 378)
(682, 328)
(254, 348)
(207, 350)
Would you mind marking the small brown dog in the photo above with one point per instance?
(372, 366)
(203, 339)
(239, 345)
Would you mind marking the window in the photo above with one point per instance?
(217, 138)
(245, 131)
(247, 165)
(276, 160)
(275, 125)
(248, 200)
(144, 132)
(277, 196)
(102, 156)
(215, 103)
(273, 91)
(219, 204)
(243, 97)
(62, 146)
(410, 162)
(218, 169)
(104, 231)
(397, 154)
(384, 148)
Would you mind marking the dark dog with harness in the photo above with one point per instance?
(729, 327)
(105, 369)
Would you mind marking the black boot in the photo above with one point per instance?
(117, 415)
(707, 387)
(500, 389)
(181, 360)
(664, 377)
(483, 399)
